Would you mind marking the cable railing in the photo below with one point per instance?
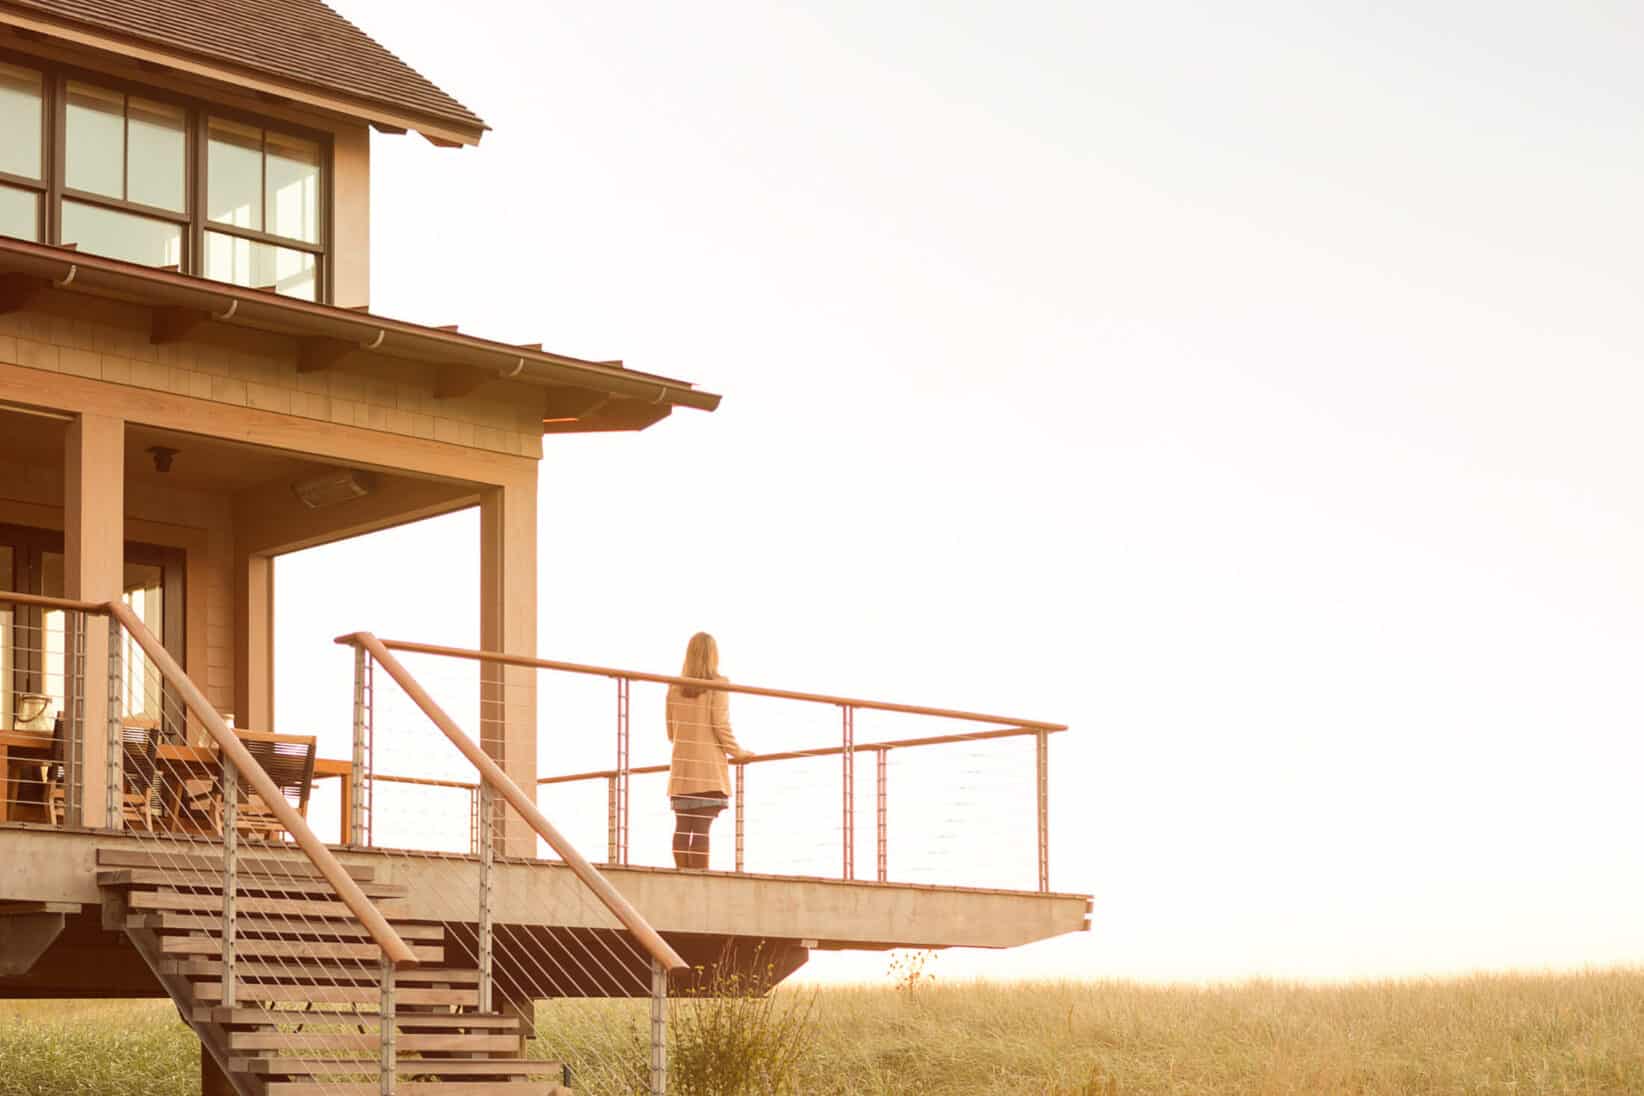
(586, 940)
(817, 797)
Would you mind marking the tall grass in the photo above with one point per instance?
(1517, 1034)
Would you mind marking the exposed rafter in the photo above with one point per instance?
(316, 355)
(172, 324)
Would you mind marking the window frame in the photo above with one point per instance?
(53, 191)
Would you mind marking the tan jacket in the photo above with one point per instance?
(700, 728)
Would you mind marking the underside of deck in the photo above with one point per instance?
(52, 873)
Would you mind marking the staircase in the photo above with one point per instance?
(306, 1017)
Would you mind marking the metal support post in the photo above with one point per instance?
(611, 850)
(114, 817)
(74, 750)
(848, 756)
(1043, 763)
(623, 775)
(488, 855)
(357, 834)
(388, 1064)
(231, 870)
(476, 829)
(741, 813)
(659, 1030)
(879, 811)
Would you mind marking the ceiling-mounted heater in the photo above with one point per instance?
(330, 488)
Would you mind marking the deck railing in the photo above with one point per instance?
(971, 790)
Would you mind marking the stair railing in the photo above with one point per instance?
(516, 963)
(239, 764)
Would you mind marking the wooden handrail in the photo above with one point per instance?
(395, 948)
(493, 775)
(716, 686)
(96, 608)
(819, 751)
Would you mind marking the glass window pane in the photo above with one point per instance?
(7, 565)
(95, 151)
(122, 235)
(19, 213)
(293, 188)
(260, 266)
(144, 594)
(154, 160)
(234, 175)
(51, 585)
(20, 121)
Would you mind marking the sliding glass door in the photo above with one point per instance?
(32, 662)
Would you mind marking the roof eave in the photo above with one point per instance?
(441, 130)
(580, 395)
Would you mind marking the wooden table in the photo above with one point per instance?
(15, 746)
(204, 761)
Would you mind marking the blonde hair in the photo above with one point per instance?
(701, 661)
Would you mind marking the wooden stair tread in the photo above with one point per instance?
(290, 949)
(252, 863)
(319, 928)
(209, 881)
(367, 1042)
(445, 1067)
(403, 1021)
(416, 1088)
(172, 902)
(366, 971)
(208, 993)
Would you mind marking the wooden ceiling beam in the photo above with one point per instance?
(318, 354)
(17, 290)
(169, 324)
(616, 414)
(456, 381)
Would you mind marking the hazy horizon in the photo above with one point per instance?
(1250, 389)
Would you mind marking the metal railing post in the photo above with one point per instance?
(388, 1062)
(114, 766)
(624, 777)
(741, 813)
(880, 824)
(231, 870)
(1042, 758)
(611, 850)
(363, 705)
(848, 757)
(476, 829)
(659, 1029)
(488, 854)
(74, 719)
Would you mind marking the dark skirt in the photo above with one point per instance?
(703, 806)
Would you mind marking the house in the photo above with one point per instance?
(192, 382)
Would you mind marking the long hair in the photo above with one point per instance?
(701, 661)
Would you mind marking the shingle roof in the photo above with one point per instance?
(301, 41)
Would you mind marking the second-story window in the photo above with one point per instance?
(262, 208)
(22, 152)
(125, 164)
(121, 172)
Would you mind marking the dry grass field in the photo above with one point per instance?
(1580, 1033)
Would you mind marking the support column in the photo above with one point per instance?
(254, 641)
(508, 623)
(93, 565)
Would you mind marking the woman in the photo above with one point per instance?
(699, 726)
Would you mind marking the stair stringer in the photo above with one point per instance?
(180, 990)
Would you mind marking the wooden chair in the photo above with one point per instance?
(289, 761)
(139, 779)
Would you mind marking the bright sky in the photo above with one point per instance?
(1251, 387)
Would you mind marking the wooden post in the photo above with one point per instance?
(94, 558)
(508, 622)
